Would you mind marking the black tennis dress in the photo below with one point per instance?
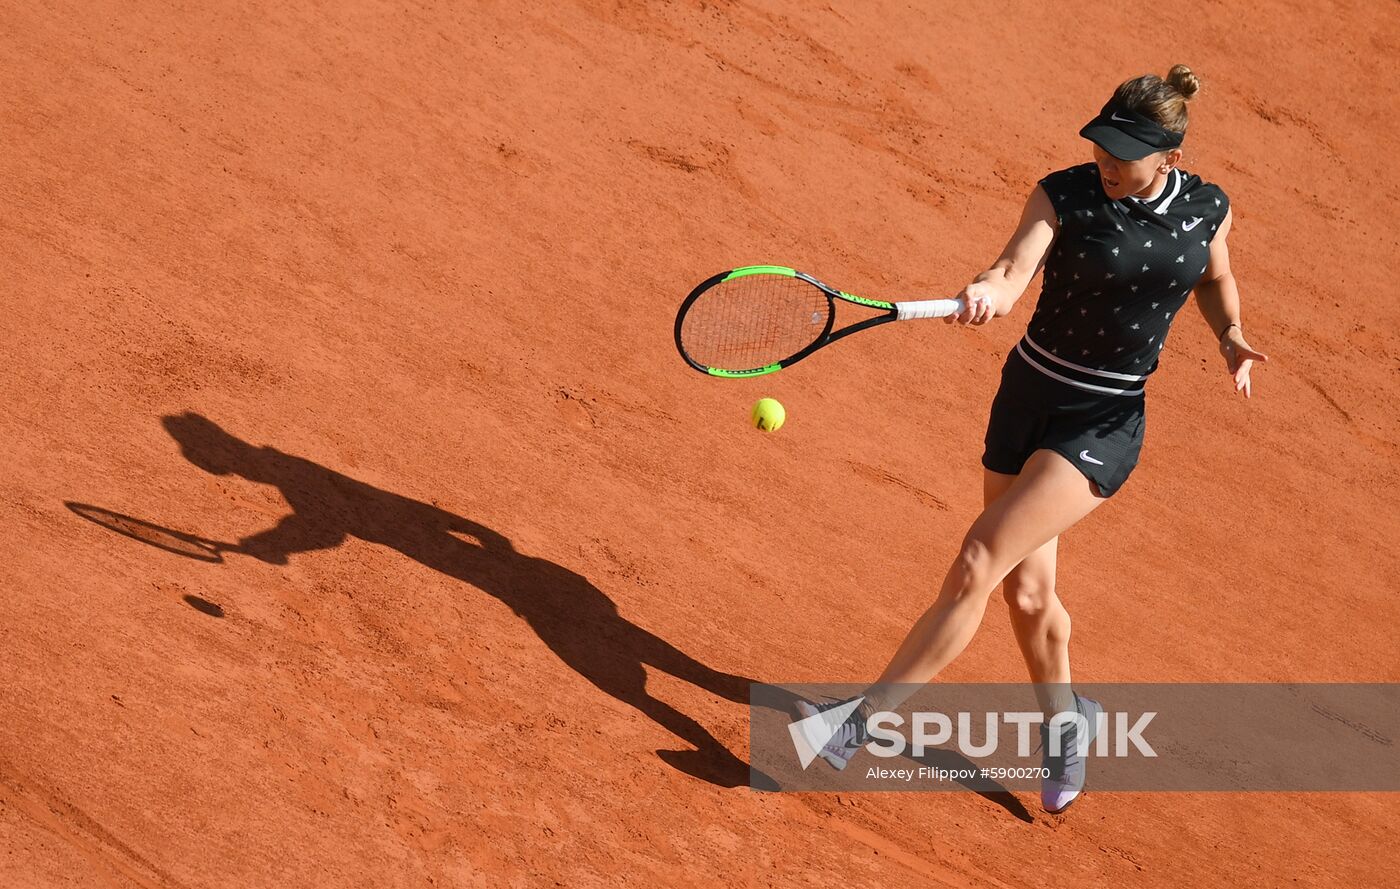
(1117, 275)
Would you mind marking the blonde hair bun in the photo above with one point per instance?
(1183, 81)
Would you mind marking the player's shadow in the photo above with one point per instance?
(989, 789)
(569, 614)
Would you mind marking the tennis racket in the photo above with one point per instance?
(759, 319)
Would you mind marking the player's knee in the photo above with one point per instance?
(1033, 604)
(1029, 597)
(975, 567)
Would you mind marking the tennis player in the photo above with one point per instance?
(1123, 241)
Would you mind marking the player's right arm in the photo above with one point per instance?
(994, 292)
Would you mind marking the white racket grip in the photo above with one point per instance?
(928, 308)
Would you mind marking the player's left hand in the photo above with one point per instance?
(1239, 358)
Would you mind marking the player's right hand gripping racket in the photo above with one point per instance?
(759, 319)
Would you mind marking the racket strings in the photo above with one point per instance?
(754, 321)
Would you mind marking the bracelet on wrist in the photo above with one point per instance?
(1227, 330)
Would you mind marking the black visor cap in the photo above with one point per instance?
(1127, 135)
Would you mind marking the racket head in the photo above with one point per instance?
(177, 542)
(753, 320)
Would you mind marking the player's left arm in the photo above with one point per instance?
(1218, 298)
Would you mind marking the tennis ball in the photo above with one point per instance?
(768, 415)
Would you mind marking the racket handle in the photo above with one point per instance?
(928, 308)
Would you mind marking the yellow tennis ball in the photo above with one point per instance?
(768, 415)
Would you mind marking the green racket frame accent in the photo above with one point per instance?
(736, 374)
(873, 303)
(760, 270)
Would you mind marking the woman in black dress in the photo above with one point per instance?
(1123, 241)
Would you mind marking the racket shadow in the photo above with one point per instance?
(168, 539)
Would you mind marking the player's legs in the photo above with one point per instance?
(1042, 627)
(1038, 618)
(1047, 497)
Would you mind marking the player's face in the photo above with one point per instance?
(1121, 178)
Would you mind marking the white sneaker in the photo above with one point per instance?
(1066, 771)
(839, 742)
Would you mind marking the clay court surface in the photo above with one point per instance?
(361, 526)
